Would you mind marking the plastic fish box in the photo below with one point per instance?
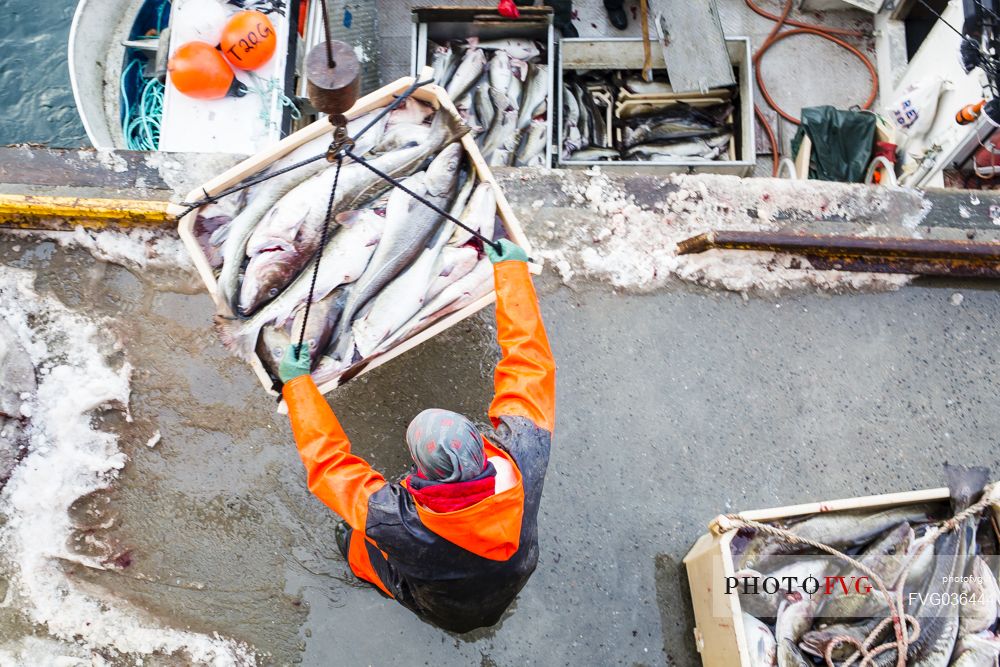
(443, 24)
(718, 633)
(432, 94)
(619, 53)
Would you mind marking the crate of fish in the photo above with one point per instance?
(848, 581)
(393, 273)
(610, 116)
(499, 73)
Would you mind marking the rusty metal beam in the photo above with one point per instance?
(41, 212)
(931, 257)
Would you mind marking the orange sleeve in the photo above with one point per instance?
(340, 479)
(525, 378)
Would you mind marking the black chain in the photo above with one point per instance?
(319, 253)
(431, 205)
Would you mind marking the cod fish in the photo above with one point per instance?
(983, 595)
(572, 139)
(402, 298)
(795, 615)
(535, 91)
(976, 651)
(468, 72)
(323, 318)
(479, 214)
(761, 646)
(443, 62)
(467, 289)
(499, 71)
(531, 151)
(484, 107)
(234, 236)
(271, 347)
(452, 264)
(504, 124)
(708, 148)
(816, 641)
(344, 260)
(585, 122)
(667, 131)
(522, 49)
(594, 153)
(288, 238)
(408, 226)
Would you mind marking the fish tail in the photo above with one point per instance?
(238, 336)
(447, 127)
(965, 484)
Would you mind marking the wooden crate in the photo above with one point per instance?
(718, 632)
(432, 94)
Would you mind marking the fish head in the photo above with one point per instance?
(442, 173)
(266, 275)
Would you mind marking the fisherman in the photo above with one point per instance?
(457, 539)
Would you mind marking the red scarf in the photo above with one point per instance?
(452, 496)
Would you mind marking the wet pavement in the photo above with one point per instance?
(672, 407)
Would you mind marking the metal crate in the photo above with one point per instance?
(442, 24)
(627, 53)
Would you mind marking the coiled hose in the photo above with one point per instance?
(800, 28)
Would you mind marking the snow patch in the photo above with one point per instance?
(635, 247)
(134, 249)
(68, 459)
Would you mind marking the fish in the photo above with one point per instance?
(600, 123)
(572, 140)
(324, 315)
(666, 131)
(344, 259)
(707, 148)
(464, 291)
(402, 298)
(442, 61)
(452, 264)
(409, 224)
(594, 153)
(503, 125)
(287, 239)
(522, 49)
(840, 530)
(401, 136)
(411, 112)
(329, 369)
(795, 616)
(272, 344)
(887, 558)
(531, 151)
(514, 91)
(499, 71)
(484, 107)
(467, 110)
(816, 641)
(535, 91)
(640, 86)
(983, 595)
(939, 626)
(630, 111)
(468, 72)
(479, 215)
(503, 156)
(584, 116)
(761, 646)
(976, 651)
(265, 196)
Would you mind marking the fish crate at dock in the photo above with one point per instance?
(580, 54)
(719, 632)
(431, 94)
(444, 24)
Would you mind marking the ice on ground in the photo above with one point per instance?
(69, 458)
(133, 249)
(635, 247)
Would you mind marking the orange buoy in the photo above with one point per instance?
(969, 113)
(198, 70)
(248, 40)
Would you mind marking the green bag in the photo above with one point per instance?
(842, 143)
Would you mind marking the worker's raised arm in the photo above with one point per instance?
(525, 377)
(340, 479)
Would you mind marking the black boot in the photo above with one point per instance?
(562, 17)
(616, 13)
(342, 536)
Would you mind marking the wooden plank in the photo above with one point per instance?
(694, 46)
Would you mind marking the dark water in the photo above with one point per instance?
(36, 101)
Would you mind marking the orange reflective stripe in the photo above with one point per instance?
(361, 564)
(343, 481)
(492, 527)
(525, 378)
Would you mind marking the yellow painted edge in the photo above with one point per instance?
(28, 210)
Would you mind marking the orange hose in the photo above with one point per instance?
(800, 28)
